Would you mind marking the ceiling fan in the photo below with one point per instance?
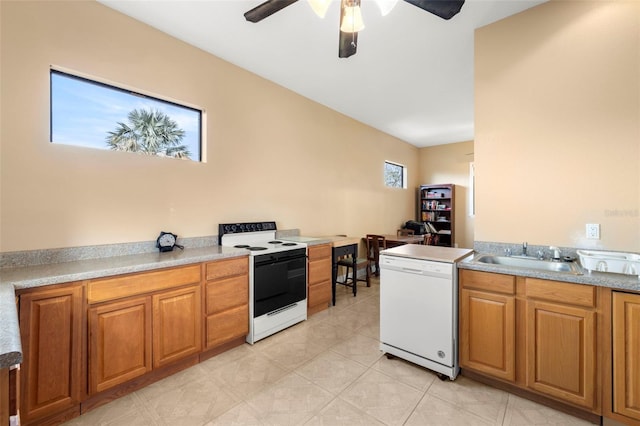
(350, 18)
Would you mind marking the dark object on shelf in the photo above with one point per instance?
(418, 228)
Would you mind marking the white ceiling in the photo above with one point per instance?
(412, 76)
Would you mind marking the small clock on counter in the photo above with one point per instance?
(167, 241)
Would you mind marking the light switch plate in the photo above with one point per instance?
(593, 231)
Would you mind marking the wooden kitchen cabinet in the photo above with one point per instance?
(532, 334)
(143, 321)
(561, 341)
(4, 396)
(9, 394)
(226, 301)
(177, 325)
(626, 354)
(318, 278)
(51, 327)
(487, 323)
(119, 342)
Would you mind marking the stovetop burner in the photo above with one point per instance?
(242, 246)
(256, 248)
(290, 244)
(275, 242)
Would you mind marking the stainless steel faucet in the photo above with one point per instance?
(524, 248)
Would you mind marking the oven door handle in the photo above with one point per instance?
(286, 308)
(274, 260)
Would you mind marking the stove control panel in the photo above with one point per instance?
(236, 228)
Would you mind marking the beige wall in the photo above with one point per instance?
(557, 125)
(271, 154)
(450, 164)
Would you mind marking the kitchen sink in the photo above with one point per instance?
(530, 263)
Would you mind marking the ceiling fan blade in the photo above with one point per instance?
(446, 9)
(267, 9)
(348, 44)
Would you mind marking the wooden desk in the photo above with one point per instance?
(342, 246)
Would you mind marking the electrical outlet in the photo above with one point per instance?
(593, 231)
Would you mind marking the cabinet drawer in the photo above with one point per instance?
(561, 292)
(488, 281)
(319, 270)
(319, 293)
(227, 293)
(226, 268)
(318, 252)
(145, 282)
(227, 325)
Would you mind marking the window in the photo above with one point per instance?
(395, 175)
(97, 115)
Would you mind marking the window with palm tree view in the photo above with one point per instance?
(97, 115)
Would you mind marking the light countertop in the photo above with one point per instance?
(433, 253)
(12, 279)
(600, 279)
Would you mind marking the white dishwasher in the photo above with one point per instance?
(419, 306)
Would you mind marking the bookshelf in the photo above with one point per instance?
(436, 208)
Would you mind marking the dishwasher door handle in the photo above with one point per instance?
(413, 271)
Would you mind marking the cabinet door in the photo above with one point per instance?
(626, 354)
(4, 396)
(51, 329)
(487, 333)
(119, 342)
(177, 325)
(560, 352)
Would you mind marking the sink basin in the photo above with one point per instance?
(530, 263)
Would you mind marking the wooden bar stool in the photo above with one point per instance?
(375, 243)
(348, 264)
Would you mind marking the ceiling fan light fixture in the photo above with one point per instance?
(386, 6)
(320, 7)
(351, 19)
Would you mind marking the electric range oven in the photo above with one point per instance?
(277, 276)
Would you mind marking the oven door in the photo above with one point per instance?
(279, 280)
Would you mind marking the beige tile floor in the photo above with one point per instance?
(325, 371)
